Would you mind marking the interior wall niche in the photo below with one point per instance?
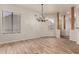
(10, 22)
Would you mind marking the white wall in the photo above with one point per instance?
(76, 35)
(30, 28)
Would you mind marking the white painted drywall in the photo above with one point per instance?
(30, 27)
(76, 34)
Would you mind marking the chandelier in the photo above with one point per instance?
(42, 17)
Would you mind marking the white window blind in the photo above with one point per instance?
(10, 22)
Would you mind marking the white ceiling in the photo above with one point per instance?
(49, 8)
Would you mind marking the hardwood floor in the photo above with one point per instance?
(46, 45)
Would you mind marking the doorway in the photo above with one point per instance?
(65, 33)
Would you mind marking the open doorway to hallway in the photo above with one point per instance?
(65, 27)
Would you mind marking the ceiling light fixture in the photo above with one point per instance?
(42, 17)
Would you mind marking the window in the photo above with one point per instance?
(10, 22)
(51, 24)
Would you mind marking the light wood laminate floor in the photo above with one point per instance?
(45, 45)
